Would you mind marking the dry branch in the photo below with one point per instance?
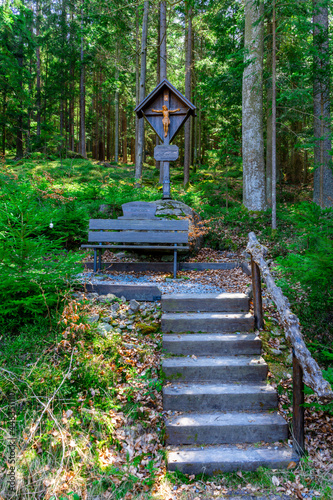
(312, 374)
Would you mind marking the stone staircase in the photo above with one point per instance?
(224, 414)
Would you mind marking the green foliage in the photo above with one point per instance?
(70, 224)
(308, 267)
(35, 271)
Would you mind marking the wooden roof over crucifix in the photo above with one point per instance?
(165, 93)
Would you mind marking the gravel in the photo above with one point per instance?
(170, 286)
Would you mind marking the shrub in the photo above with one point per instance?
(70, 225)
(34, 270)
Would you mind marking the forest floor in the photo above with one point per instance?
(87, 381)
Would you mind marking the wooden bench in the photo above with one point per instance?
(145, 234)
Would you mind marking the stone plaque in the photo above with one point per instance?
(166, 153)
(138, 210)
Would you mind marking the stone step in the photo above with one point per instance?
(218, 397)
(224, 368)
(225, 428)
(206, 344)
(207, 322)
(217, 459)
(213, 302)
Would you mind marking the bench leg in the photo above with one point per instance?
(175, 264)
(95, 260)
(100, 260)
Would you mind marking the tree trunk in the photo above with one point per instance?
(38, 100)
(323, 178)
(19, 125)
(137, 77)
(252, 109)
(116, 117)
(71, 116)
(124, 134)
(269, 117)
(108, 131)
(71, 109)
(192, 118)
(62, 76)
(142, 91)
(163, 38)
(82, 141)
(132, 149)
(158, 74)
(274, 121)
(188, 79)
(100, 120)
(163, 59)
(4, 114)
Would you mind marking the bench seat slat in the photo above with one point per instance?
(134, 247)
(138, 237)
(139, 224)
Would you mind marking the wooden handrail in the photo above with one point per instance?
(305, 368)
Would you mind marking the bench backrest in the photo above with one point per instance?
(138, 231)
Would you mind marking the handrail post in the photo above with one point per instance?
(257, 298)
(298, 408)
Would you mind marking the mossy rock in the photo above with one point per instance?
(147, 329)
(74, 155)
(174, 209)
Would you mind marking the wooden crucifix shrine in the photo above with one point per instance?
(166, 110)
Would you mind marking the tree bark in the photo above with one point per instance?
(108, 131)
(163, 38)
(163, 59)
(100, 120)
(116, 118)
(19, 124)
(71, 109)
(137, 77)
(158, 74)
(71, 120)
(323, 178)
(38, 100)
(132, 149)
(4, 114)
(82, 141)
(188, 81)
(63, 78)
(142, 91)
(252, 109)
(269, 117)
(274, 120)
(124, 134)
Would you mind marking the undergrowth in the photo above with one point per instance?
(87, 386)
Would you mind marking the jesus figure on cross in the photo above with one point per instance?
(165, 120)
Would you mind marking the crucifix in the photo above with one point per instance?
(166, 120)
(165, 109)
(166, 140)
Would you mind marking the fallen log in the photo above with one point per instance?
(312, 374)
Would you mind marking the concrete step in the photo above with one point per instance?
(213, 302)
(206, 344)
(217, 459)
(224, 368)
(218, 397)
(207, 322)
(225, 428)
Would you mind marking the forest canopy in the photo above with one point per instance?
(71, 73)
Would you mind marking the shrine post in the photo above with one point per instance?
(166, 110)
